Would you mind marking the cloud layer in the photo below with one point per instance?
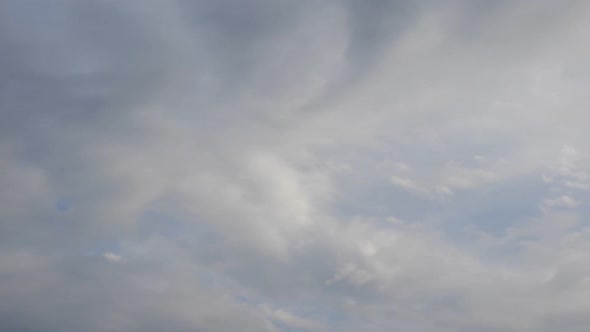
(294, 165)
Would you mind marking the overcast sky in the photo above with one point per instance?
(294, 165)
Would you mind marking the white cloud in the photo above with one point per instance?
(294, 321)
(561, 201)
(112, 257)
(409, 185)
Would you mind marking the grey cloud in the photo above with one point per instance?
(92, 293)
(228, 154)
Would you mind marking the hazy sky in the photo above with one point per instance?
(294, 165)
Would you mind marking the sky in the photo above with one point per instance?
(294, 166)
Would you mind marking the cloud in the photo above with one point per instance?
(561, 201)
(112, 257)
(409, 185)
(222, 165)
